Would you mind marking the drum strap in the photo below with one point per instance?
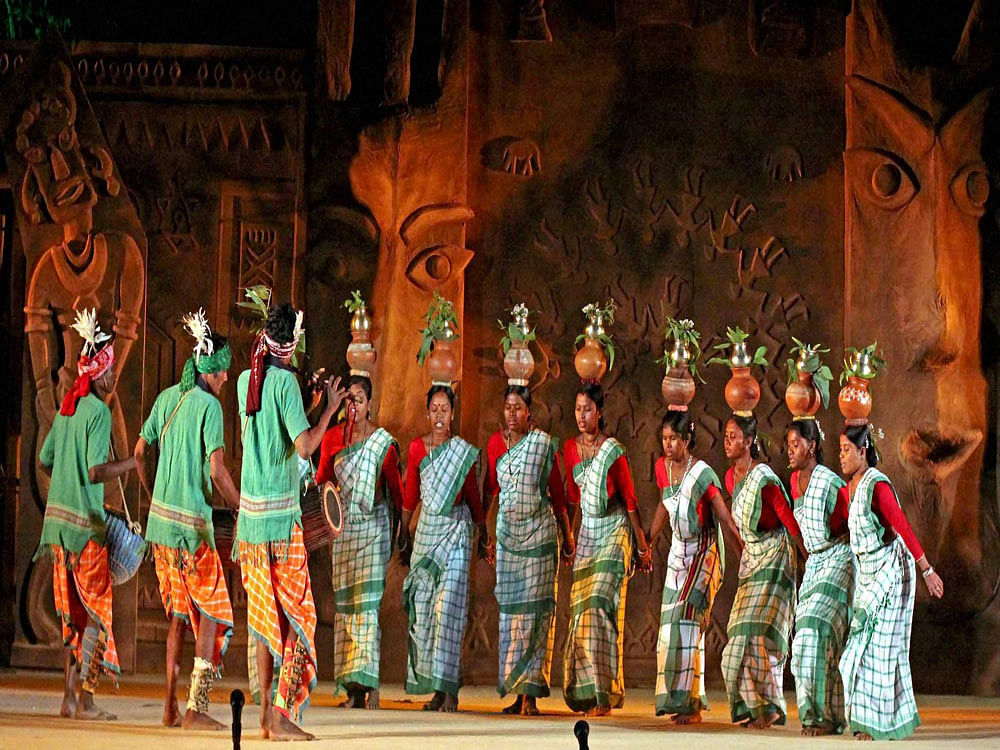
(172, 415)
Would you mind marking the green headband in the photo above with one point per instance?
(207, 364)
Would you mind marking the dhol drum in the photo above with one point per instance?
(126, 547)
(322, 518)
(224, 521)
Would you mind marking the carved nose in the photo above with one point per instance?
(60, 169)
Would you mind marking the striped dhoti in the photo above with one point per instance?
(193, 588)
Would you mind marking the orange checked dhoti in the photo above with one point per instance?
(82, 587)
(192, 587)
(281, 614)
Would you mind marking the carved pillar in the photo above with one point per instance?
(335, 38)
(916, 188)
(401, 19)
(532, 25)
(84, 247)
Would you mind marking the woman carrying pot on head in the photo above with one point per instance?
(760, 622)
(600, 483)
(362, 459)
(523, 472)
(878, 688)
(823, 609)
(691, 499)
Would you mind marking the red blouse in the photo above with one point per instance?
(704, 502)
(333, 443)
(891, 516)
(838, 518)
(469, 494)
(495, 448)
(774, 510)
(619, 478)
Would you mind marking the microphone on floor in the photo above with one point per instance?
(582, 730)
(236, 701)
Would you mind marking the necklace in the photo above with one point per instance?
(670, 472)
(743, 476)
(510, 463)
(588, 449)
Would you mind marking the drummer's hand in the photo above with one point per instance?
(404, 547)
(335, 394)
(568, 552)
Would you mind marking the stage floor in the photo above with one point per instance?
(29, 720)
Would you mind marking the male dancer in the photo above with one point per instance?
(186, 422)
(281, 614)
(76, 452)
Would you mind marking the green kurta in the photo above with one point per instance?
(190, 426)
(74, 511)
(269, 482)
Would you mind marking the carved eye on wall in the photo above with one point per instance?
(433, 267)
(970, 187)
(882, 178)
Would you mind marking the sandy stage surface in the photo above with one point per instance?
(29, 704)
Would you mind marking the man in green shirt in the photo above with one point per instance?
(281, 614)
(75, 452)
(186, 423)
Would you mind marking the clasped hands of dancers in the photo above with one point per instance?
(852, 612)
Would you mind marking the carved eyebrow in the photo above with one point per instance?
(907, 122)
(431, 215)
(964, 123)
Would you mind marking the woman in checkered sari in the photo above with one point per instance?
(824, 598)
(599, 481)
(692, 500)
(441, 476)
(878, 688)
(760, 622)
(363, 460)
(524, 473)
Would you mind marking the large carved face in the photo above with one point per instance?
(57, 175)
(916, 189)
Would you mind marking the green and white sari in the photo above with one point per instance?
(592, 662)
(436, 590)
(527, 564)
(760, 623)
(824, 606)
(694, 572)
(360, 556)
(878, 687)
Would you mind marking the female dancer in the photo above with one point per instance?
(599, 481)
(440, 474)
(825, 595)
(878, 689)
(760, 623)
(363, 460)
(524, 472)
(691, 499)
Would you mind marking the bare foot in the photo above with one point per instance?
(435, 702)
(372, 703)
(87, 711)
(195, 720)
(765, 721)
(598, 711)
(863, 737)
(530, 707)
(171, 714)
(694, 718)
(450, 704)
(515, 707)
(68, 708)
(815, 731)
(353, 699)
(283, 730)
(265, 722)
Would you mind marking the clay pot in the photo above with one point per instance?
(443, 362)
(591, 362)
(855, 400)
(802, 396)
(518, 363)
(742, 392)
(677, 388)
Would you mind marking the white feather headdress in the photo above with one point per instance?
(197, 325)
(91, 333)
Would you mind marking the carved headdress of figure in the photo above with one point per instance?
(205, 358)
(59, 168)
(96, 357)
